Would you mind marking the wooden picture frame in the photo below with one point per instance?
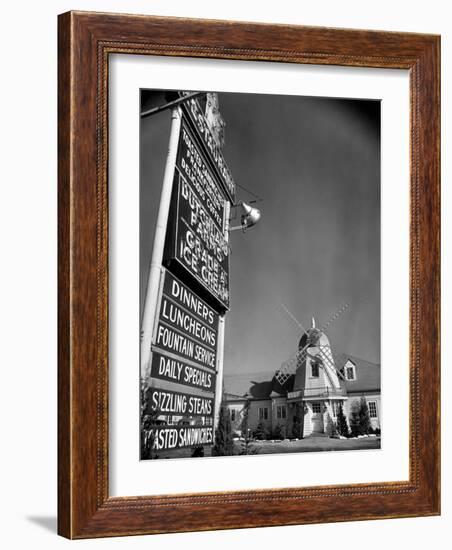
(85, 508)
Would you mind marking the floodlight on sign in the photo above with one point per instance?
(249, 218)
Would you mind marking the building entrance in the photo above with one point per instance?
(317, 417)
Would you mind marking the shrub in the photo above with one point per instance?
(247, 449)
(354, 419)
(297, 425)
(364, 417)
(148, 422)
(359, 418)
(331, 429)
(224, 444)
(148, 437)
(197, 451)
(278, 432)
(245, 416)
(260, 432)
(342, 426)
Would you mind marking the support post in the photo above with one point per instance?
(220, 352)
(219, 380)
(155, 271)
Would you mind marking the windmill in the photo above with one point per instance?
(320, 354)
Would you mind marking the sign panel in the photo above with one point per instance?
(177, 437)
(199, 246)
(168, 402)
(194, 169)
(196, 116)
(174, 341)
(187, 328)
(176, 291)
(167, 368)
(181, 309)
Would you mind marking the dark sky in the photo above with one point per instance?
(316, 164)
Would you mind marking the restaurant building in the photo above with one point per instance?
(302, 403)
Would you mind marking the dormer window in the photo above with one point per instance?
(349, 371)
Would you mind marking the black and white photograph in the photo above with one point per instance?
(225, 227)
(260, 256)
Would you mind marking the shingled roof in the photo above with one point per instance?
(256, 385)
(367, 374)
(260, 385)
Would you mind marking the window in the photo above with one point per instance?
(315, 370)
(372, 409)
(316, 408)
(281, 411)
(263, 413)
(233, 415)
(349, 371)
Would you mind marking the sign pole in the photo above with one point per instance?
(150, 303)
(221, 327)
(219, 379)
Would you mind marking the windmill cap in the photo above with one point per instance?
(313, 337)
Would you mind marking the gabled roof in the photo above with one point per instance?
(367, 374)
(263, 385)
(256, 385)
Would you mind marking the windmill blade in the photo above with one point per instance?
(282, 377)
(294, 318)
(327, 357)
(323, 363)
(338, 313)
(299, 354)
(329, 360)
(289, 366)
